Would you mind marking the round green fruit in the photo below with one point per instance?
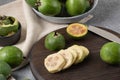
(12, 55)
(110, 53)
(54, 41)
(5, 69)
(2, 77)
(76, 7)
(49, 7)
(77, 30)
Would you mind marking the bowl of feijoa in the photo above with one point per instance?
(62, 11)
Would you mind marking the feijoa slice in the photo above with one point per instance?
(77, 30)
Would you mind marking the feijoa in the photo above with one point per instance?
(8, 24)
(49, 7)
(54, 41)
(5, 69)
(77, 30)
(76, 7)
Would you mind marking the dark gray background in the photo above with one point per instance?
(5, 1)
(106, 14)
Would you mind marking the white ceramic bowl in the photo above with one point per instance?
(66, 19)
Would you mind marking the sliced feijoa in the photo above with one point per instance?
(54, 62)
(73, 52)
(80, 53)
(2, 77)
(8, 24)
(54, 41)
(77, 30)
(85, 50)
(5, 69)
(68, 57)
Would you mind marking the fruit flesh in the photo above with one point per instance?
(85, 50)
(77, 30)
(68, 57)
(76, 7)
(79, 52)
(5, 69)
(65, 58)
(54, 63)
(73, 52)
(49, 7)
(12, 55)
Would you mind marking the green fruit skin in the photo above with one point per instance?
(32, 3)
(110, 53)
(87, 5)
(53, 42)
(5, 69)
(77, 38)
(49, 7)
(76, 7)
(6, 29)
(2, 77)
(12, 55)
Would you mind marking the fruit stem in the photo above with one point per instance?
(3, 17)
(38, 3)
(55, 34)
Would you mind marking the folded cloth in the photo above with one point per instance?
(33, 27)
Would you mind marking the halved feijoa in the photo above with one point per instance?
(8, 25)
(77, 30)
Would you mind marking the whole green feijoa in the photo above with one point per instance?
(76, 7)
(12, 55)
(2, 77)
(5, 69)
(54, 41)
(110, 53)
(49, 7)
(8, 24)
